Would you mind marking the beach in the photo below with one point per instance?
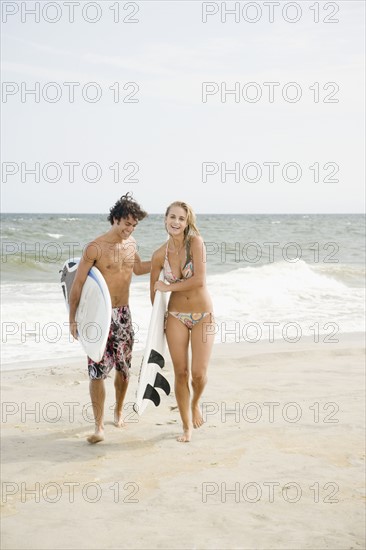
(251, 114)
(278, 464)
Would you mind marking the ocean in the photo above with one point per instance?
(270, 276)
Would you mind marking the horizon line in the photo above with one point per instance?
(206, 213)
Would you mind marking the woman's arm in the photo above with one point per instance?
(156, 267)
(198, 279)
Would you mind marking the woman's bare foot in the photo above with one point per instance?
(186, 435)
(197, 417)
(118, 421)
(97, 437)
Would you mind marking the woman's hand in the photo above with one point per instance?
(74, 329)
(163, 287)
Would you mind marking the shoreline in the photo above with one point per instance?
(248, 348)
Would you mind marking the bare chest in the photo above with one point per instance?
(117, 258)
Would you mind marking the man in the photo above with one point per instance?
(115, 255)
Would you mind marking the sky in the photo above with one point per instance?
(257, 111)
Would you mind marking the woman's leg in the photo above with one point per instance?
(177, 335)
(202, 340)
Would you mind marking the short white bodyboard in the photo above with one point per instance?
(94, 311)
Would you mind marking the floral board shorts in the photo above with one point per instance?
(118, 351)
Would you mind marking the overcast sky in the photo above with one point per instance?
(293, 146)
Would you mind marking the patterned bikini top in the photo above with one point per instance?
(187, 270)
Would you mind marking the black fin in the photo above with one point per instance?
(156, 357)
(63, 274)
(162, 383)
(152, 394)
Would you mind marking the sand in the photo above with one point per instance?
(278, 464)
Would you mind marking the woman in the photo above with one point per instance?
(189, 315)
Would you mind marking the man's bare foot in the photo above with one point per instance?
(186, 435)
(97, 437)
(197, 419)
(118, 422)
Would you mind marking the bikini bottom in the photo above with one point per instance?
(188, 319)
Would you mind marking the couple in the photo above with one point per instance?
(183, 262)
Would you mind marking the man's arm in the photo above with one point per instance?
(86, 263)
(140, 267)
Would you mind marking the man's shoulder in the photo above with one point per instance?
(98, 240)
(93, 249)
(130, 244)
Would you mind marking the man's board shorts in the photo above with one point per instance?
(118, 351)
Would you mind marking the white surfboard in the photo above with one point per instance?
(153, 361)
(94, 311)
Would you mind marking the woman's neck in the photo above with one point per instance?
(176, 245)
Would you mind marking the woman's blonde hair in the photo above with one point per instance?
(191, 228)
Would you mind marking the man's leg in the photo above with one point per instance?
(120, 385)
(97, 395)
(122, 350)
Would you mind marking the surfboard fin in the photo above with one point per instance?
(156, 357)
(64, 290)
(162, 383)
(152, 394)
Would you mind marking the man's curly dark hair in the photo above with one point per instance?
(124, 207)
